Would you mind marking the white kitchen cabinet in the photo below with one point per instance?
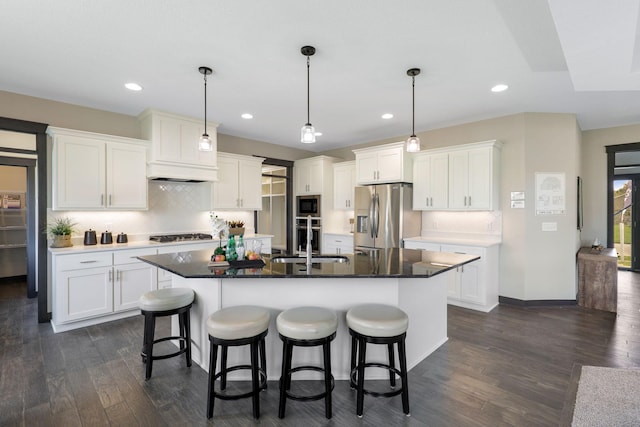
(344, 183)
(313, 175)
(337, 244)
(474, 178)
(132, 278)
(174, 149)
(94, 287)
(96, 172)
(383, 164)
(239, 184)
(430, 181)
(425, 246)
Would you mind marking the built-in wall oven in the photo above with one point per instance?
(308, 206)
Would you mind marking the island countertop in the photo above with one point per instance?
(390, 263)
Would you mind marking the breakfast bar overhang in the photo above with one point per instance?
(413, 280)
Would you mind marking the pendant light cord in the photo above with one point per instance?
(308, 114)
(413, 105)
(205, 103)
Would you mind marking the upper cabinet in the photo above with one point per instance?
(239, 184)
(430, 181)
(463, 177)
(344, 182)
(313, 175)
(383, 164)
(92, 171)
(174, 150)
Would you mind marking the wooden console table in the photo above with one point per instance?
(598, 279)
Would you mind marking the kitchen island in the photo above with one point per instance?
(413, 280)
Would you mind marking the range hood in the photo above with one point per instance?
(173, 154)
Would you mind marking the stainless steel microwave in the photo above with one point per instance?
(308, 205)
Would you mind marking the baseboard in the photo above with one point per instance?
(537, 303)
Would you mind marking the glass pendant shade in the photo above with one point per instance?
(205, 143)
(413, 144)
(308, 134)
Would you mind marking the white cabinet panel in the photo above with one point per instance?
(383, 164)
(239, 184)
(83, 293)
(473, 179)
(425, 246)
(313, 175)
(344, 182)
(337, 244)
(96, 172)
(430, 181)
(131, 281)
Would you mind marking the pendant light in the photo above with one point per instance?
(413, 143)
(205, 142)
(308, 132)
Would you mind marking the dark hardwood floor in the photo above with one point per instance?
(512, 367)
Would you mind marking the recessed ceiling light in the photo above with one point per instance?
(499, 88)
(387, 116)
(247, 116)
(317, 133)
(133, 86)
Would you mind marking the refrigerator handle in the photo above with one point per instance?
(371, 215)
(377, 214)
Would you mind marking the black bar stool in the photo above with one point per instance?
(166, 302)
(306, 327)
(378, 324)
(237, 326)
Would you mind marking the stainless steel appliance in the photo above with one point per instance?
(169, 238)
(383, 216)
(308, 205)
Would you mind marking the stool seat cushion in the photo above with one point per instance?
(377, 320)
(243, 321)
(166, 299)
(307, 323)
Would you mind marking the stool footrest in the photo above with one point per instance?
(354, 383)
(166, 356)
(318, 396)
(262, 383)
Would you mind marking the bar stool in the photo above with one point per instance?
(306, 327)
(165, 302)
(378, 324)
(236, 326)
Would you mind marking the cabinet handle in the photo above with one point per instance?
(118, 275)
(110, 200)
(469, 200)
(88, 262)
(102, 200)
(431, 201)
(110, 276)
(242, 202)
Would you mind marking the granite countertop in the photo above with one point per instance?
(139, 243)
(390, 263)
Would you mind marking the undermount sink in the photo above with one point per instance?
(292, 259)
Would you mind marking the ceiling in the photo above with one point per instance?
(555, 56)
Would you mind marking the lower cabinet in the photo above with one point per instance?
(337, 244)
(474, 285)
(91, 285)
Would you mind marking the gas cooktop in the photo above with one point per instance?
(169, 238)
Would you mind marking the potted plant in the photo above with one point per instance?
(236, 228)
(60, 232)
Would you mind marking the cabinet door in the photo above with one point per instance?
(250, 187)
(302, 178)
(78, 173)
(316, 176)
(131, 281)
(126, 176)
(225, 190)
(390, 164)
(439, 181)
(83, 293)
(367, 168)
(421, 183)
(344, 182)
(458, 180)
(480, 176)
(471, 287)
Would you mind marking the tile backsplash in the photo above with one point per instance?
(485, 222)
(174, 207)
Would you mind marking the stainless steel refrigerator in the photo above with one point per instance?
(383, 216)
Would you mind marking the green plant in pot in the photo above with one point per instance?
(60, 231)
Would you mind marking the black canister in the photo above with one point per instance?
(106, 238)
(122, 238)
(90, 237)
